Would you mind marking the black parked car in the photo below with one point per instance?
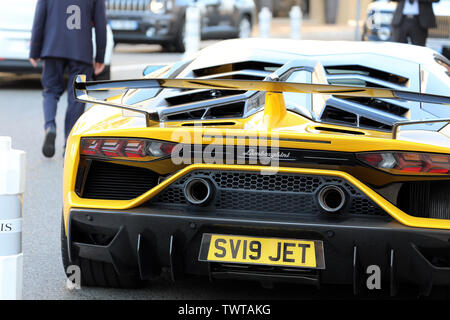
(163, 21)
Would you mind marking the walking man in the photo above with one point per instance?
(62, 38)
(412, 19)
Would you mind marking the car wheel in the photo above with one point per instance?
(245, 28)
(96, 273)
(180, 40)
(446, 52)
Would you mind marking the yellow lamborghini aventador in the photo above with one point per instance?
(226, 171)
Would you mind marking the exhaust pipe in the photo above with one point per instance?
(198, 191)
(331, 198)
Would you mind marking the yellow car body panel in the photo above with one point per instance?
(356, 197)
(289, 132)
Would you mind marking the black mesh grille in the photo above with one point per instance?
(427, 199)
(130, 5)
(364, 206)
(282, 203)
(259, 182)
(111, 181)
(278, 194)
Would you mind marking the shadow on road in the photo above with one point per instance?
(26, 82)
(199, 288)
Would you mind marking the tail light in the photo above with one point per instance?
(407, 162)
(122, 148)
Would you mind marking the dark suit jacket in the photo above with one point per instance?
(426, 14)
(54, 35)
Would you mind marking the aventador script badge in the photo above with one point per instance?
(253, 153)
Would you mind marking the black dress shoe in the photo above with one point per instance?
(48, 149)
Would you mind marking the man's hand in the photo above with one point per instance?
(34, 62)
(98, 68)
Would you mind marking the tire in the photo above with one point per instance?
(96, 273)
(105, 75)
(64, 248)
(168, 47)
(179, 44)
(244, 28)
(446, 52)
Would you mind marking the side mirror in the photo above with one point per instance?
(152, 68)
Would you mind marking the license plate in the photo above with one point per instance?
(262, 251)
(124, 25)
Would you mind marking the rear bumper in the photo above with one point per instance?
(144, 240)
(19, 66)
(136, 37)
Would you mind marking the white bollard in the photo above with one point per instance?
(12, 185)
(296, 22)
(192, 30)
(265, 21)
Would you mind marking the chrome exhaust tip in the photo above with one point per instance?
(198, 191)
(331, 198)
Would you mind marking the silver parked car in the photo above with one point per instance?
(16, 20)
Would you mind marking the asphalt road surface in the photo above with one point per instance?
(21, 118)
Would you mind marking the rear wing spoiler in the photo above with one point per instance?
(397, 125)
(82, 87)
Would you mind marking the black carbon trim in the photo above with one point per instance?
(280, 194)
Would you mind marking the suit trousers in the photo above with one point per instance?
(410, 28)
(54, 84)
